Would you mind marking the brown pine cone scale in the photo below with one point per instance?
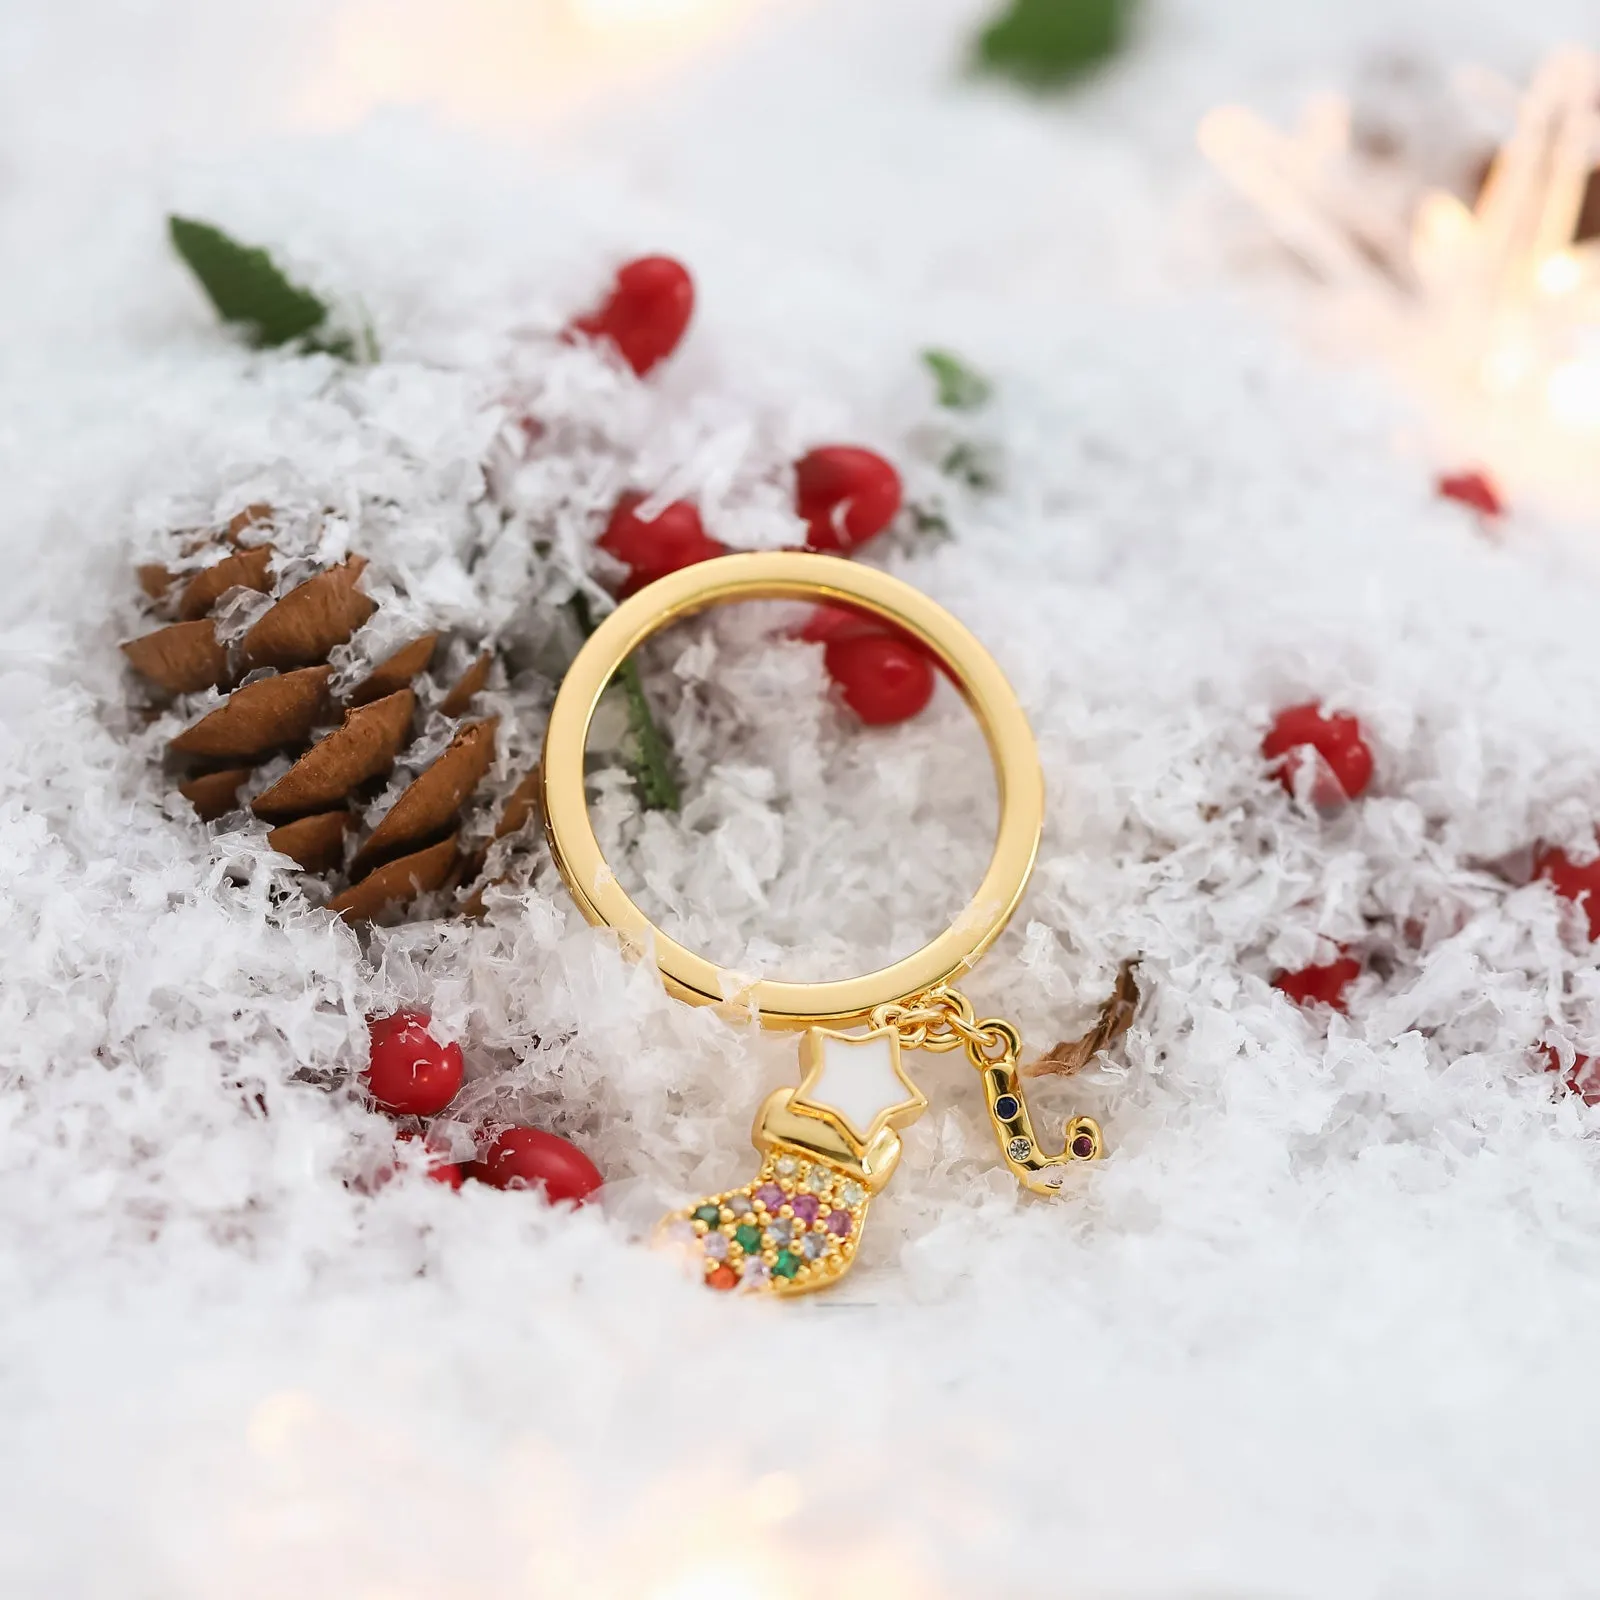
(214, 794)
(245, 569)
(310, 620)
(282, 702)
(432, 801)
(315, 843)
(419, 873)
(261, 717)
(362, 748)
(396, 672)
(182, 659)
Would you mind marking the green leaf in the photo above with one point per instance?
(652, 764)
(247, 288)
(652, 757)
(972, 464)
(931, 522)
(961, 388)
(1046, 43)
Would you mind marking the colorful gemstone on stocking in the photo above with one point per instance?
(805, 1207)
(852, 1194)
(715, 1245)
(813, 1245)
(770, 1197)
(786, 1166)
(747, 1238)
(820, 1180)
(781, 1231)
(756, 1273)
(786, 1265)
(722, 1278)
(710, 1215)
(1083, 1146)
(838, 1224)
(739, 1205)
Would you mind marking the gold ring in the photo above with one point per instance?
(793, 575)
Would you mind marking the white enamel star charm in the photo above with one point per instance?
(857, 1079)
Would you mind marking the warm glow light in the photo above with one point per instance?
(1507, 366)
(713, 1583)
(507, 65)
(1560, 273)
(631, 13)
(1441, 231)
(775, 1496)
(278, 1420)
(1490, 311)
(1573, 394)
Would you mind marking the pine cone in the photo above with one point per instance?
(327, 811)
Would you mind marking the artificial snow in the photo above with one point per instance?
(1319, 1325)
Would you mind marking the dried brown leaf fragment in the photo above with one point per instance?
(1070, 1056)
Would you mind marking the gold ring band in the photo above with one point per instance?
(793, 575)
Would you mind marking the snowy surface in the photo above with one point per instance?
(1321, 1325)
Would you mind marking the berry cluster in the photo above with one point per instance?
(411, 1074)
(1325, 758)
(844, 494)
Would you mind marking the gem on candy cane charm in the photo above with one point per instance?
(943, 1019)
(827, 1147)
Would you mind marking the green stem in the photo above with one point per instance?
(652, 757)
(652, 767)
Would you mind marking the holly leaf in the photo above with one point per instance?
(248, 288)
(961, 388)
(1046, 43)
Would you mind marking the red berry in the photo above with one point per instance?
(1582, 1077)
(883, 679)
(1320, 985)
(837, 624)
(651, 548)
(1337, 739)
(646, 312)
(439, 1170)
(1572, 882)
(525, 1158)
(1471, 489)
(409, 1072)
(846, 495)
